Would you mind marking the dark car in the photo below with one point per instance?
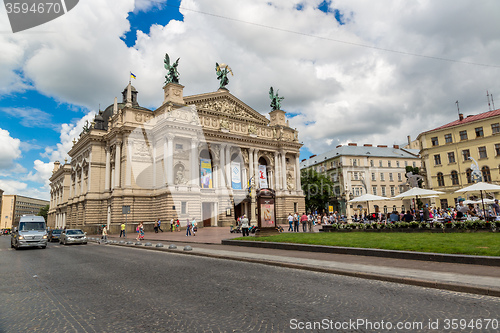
(54, 235)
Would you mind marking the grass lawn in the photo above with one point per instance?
(479, 243)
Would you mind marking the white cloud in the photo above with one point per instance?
(21, 188)
(31, 117)
(9, 148)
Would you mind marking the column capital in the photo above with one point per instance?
(170, 136)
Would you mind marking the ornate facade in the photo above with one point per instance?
(193, 157)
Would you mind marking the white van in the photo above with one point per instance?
(31, 232)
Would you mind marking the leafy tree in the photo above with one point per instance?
(44, 212)
(318, 189)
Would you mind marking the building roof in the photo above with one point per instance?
(468, 119)
(365, 151)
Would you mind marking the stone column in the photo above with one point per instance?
(89, 171)
(195, 174)
(128, 170)
(250, 164)
(154, 163)
(256, 167)
(118, 162)
(215, 149)
(276, 172)
(170, 159)
(81, 184)
(222, 159)
(106, 177)
(297, 173)
(283, 171)
(228, 166)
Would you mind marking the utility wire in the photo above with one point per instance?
(327, 38)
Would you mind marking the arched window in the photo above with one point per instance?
(468, 173)
(440, 179)
(486, 174)
(454, 177)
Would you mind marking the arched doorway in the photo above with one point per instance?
(263, 181)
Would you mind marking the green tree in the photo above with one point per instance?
(317, 188)
(44, 212)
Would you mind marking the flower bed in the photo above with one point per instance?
(414, 226)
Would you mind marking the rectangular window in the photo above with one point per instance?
(397, 164)
(383, 191)
(435, 141)
(355, 176)
(374, 190)
(354, 162)
(482, 152)
(466, 154)
(497, 149)
(495, 128)
(389, 164)
(414, 164)
(448, 138)
(178, 146)
(463, 135)
(451, 157)
(373, 176)
(400, 179)
(390, 177)
(479, 132)
(382, 177)
(401, 188)
(393, 191)
(406, 164)
(371, 163)
(380, 163)
(437, 159)
(183, 207)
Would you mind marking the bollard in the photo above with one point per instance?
(159, 245)
(138, 243)
(148, 244)
(172, 246)
(188, 248)
(130, 243)
(122, 242)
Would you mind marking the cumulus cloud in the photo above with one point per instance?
(9, 148)
(31, 117)
(338, 80)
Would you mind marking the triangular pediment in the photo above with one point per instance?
(223, 103)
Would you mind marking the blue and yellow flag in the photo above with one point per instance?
(132, 75)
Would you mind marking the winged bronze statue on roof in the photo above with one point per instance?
(172, 73)
(275, 99)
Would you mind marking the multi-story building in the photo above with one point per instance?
(450, 152)
(357, 170)
(15, 206)
(192, 157)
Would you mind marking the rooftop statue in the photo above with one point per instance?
(172, 73)
(275, 99)
(222, 70)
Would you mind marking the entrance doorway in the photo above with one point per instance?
(206, 208)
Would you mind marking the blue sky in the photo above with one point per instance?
(329, 60)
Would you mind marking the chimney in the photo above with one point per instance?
(367, 145)
(461, 116)
(338, 146)
(352, 144)
(57, 164)
(382, 146)
(409, 140)
(395, 146)
(312, 156)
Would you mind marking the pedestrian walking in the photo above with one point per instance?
(140, 231)
(188, 228)
(122, 230)
(290, 222)
(310, 222)
(244, 226)
(178, 225)
(303, 220)
(194, 226)
(156, 227)
(104, 233)
(296, 222)
(159, 225)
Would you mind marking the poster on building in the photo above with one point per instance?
(262, 177)
(206, 173)
(330, 209)
(267, 214)
(236, 175)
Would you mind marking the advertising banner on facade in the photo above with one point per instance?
(263, 177)
(236, 175)
(206, 173)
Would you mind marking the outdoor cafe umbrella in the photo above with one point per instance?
(480, 187)
(368, 197)
(417, 192)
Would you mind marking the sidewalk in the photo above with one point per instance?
(476, 279)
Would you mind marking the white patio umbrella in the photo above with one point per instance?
(480, 187)
(367, 198)
(417, 192)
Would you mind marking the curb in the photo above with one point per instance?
(425, 256)
(471, 289)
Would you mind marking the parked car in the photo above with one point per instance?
(6, 231)
(73, 236)
(54, 235)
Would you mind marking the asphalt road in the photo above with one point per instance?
(104, 288)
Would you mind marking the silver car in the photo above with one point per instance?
(73, 236)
